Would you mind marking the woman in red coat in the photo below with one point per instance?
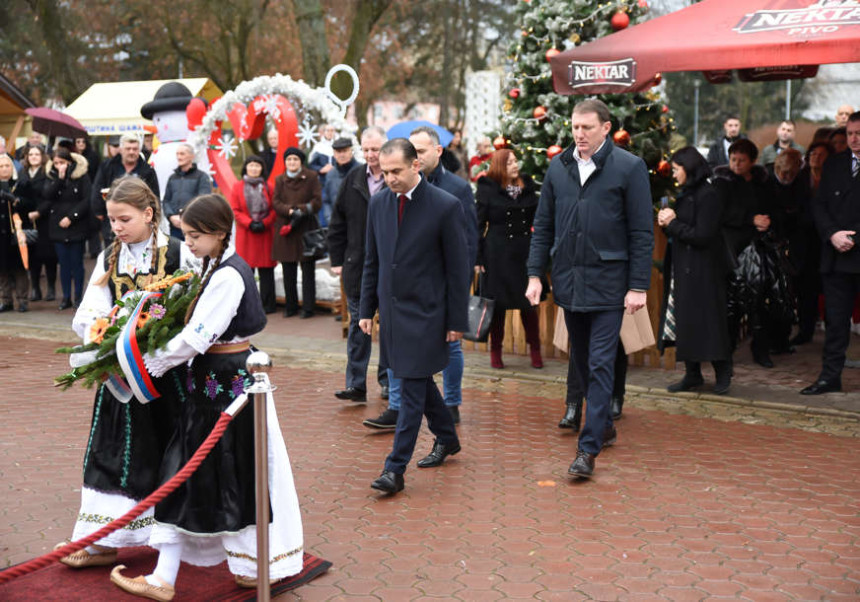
(251, 200)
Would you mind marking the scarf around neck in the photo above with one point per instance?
(258, 206)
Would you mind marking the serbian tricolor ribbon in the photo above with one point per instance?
(131, 359)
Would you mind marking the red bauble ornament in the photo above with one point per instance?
(552, 151)
(621, 138)
(539, 113)
(499, 142)
(665, 108)
(643, 4)
(664, 168)
(658, 78)
(551, 53)
(620, 20)
(514, 93)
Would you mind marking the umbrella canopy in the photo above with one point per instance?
(404, 128)
(54, 123)
(766, 39)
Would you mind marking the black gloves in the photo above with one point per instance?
(8, 197)
(257, 227)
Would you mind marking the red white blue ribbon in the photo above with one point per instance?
(131, 359)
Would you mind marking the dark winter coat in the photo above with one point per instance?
(32, 193)
(182, 186)
(600, 236)
(302, 192)
(804, 242)
(717, 154)
(254, 247)
(347, 229)
(113, 169)
(10, 256)
(742, 200)
(837, 207)
(695, 258)
(333, 180)
(504, 248)
(417, 275)
(68, 197)
(447, 181)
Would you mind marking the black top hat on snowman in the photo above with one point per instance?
(172, 96)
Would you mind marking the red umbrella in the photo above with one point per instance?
(54, 123)
(765, 39)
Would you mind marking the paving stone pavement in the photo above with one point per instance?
(700, 499)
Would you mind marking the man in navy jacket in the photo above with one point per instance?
(596, 222)
(416, 274)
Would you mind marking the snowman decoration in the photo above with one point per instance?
(167, 110)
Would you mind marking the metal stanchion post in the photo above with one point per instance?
(259, 364)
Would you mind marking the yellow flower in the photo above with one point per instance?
(98, 329)
(142, 319)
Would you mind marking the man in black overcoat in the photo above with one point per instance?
(836, 210)
(416, 271)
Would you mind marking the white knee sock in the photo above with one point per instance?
(169, 556)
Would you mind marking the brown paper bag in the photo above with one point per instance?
(560, 338)
(636, 332)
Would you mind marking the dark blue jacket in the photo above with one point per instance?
(182, 186)
(457, 186)
(417, 275)
(599, 236)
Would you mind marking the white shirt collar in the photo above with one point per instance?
(582, 161)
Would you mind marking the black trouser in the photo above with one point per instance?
(840, 290)
(267, 288)
(808, 287)
(46, 258)
(309, 287)
(575, 389)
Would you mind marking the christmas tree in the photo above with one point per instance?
(536, 121)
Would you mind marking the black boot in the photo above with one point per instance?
(36, 294)
(572, 415)
(616, 404)
(692, 378)
(51, 295)
(723, 371)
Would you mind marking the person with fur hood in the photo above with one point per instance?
(67, 204)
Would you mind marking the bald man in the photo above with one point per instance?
(842, 114)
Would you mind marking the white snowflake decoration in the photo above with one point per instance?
(227, 148)
(307, 133)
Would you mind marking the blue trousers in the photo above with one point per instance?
(593, 344)
(452, 379)
(70, 256)
(419, 397)
(358, 352)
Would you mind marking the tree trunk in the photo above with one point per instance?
(367, 13)
(310, 21)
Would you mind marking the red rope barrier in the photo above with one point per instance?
(148, 502)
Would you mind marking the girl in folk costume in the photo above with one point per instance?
(127, 439)
(212, 516)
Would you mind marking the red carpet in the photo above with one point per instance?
(59, 582)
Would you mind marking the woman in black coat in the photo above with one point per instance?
(13, 276)
(696, 266)
(507, 201)
(67, 196)
(31, 188)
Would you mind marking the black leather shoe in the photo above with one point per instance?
(686, 384)
(582, 466)
(616, 404)
(383, 392)
(51, 296)
(306, 314)
(289, 313)
(352, 394)
(65, 304)
(388, 482)
(821, 386)
(572, 416)
(722, 386)
(438, 454)
(35, 295)
(763, 360)
(22, 307)
(455, 413)
(800, 339)
(386, 421)
(4, 307)
(610, 436)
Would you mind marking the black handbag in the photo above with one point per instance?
(314, 244)
(480, 314)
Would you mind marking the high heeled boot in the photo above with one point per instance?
(572, 415)
(537, 360)
(496, 358)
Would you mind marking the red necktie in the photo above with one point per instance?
(402, 198)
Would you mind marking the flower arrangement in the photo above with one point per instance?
(159, 312)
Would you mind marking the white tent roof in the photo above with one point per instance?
(114, 108)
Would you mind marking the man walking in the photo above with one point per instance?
(346, 250)
(595, 213)
(836, 210)
(426, 143)
(416, 273)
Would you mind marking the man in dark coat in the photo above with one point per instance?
(342, 163)
(718, 153)
(836, 210)
(426, 143)
(416, 272)
(595, 215)
(127, 163)
(346, 251)
(185, 183)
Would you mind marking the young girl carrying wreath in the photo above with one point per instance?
(212, 516)
(127, 439)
